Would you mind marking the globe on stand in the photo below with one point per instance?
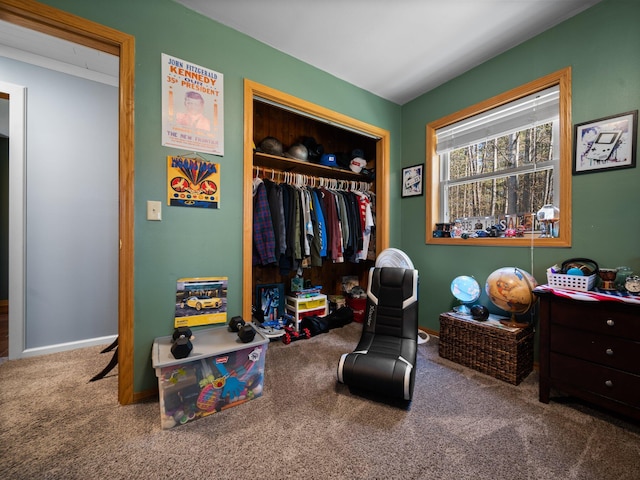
(467, 291)
(511, 289)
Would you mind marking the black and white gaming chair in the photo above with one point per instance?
(385, 357)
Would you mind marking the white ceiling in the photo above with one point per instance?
(396, 49)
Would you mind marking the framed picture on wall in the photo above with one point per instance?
(412, 181)
(201, 301)
(606, 143)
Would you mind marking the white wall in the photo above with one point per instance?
(72, 205)
(4, 117)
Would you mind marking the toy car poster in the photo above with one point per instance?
(201, 301)
(193, 182)
(192, 106)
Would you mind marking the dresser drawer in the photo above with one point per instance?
(608, 318)
(613, 352)
(600, 380)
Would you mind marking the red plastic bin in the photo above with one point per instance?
(358, 305)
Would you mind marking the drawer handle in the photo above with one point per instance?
(609, 351)
(610, 322)
(609, 383)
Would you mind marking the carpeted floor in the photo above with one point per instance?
(460, 425)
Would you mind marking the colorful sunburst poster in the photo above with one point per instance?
(193, 182)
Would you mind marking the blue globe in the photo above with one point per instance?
(467, 290)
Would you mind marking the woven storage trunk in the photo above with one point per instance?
(503, 354)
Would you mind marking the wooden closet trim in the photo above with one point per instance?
(252, 90)
(42, 18)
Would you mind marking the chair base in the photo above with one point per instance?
(386, 375)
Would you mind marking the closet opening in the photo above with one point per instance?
(270, 113)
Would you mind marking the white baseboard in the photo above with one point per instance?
(63, 347)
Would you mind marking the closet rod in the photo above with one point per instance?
(303, 180)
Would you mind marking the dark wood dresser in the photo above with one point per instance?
(590, 348)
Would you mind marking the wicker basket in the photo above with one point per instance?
(503, 354)
(571, 282)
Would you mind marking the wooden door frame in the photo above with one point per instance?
(49, 20)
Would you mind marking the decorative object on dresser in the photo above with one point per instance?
(632, 284)
(489, 347)
(573, 274)
(607, 278)
(589, 348)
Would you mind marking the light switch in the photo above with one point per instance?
(154, 210)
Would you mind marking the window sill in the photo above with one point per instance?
(500, 242)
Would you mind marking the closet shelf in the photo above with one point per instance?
(285, 164)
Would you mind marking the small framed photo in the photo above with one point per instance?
(412, 181)
(270, 300)
(606, 143)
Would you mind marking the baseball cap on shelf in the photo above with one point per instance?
(357, 164)
(369, 175)
(328, 160)
(343, 159)
(314, 150)
(357, 152)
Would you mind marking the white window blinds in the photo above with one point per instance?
(536, 109)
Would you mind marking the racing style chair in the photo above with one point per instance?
(384, 360)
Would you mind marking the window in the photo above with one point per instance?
(499, 172)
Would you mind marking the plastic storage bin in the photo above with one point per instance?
(571, 282)
(221, 372)
(358, 305)
(300, 307)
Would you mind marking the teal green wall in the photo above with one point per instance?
(602, 46)
(195, 242)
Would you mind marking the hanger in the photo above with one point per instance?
(304, 180)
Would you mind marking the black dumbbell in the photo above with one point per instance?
(236, 323)
(182, 332)
(181, 345)
(246, 333)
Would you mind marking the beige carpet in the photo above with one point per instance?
(460, 425)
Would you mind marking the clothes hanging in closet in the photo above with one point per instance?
(274, 197)
(263, 236)
(305, 225)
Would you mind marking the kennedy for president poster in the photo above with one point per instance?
(192, 107)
